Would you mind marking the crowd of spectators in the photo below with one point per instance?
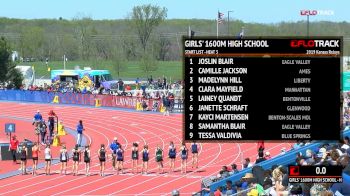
(275, 182)
(150, 89)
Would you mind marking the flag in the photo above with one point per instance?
(220, 17)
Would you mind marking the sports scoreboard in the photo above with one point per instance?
(280, 88)
(315, 174)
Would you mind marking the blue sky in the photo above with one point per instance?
(261, 11)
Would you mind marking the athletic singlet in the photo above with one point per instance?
(119, 154)
(86, 156)
(159, 154)
(76, 155)
(23, 154)
(172, 152)
(145, 155)
(102, 154)
(184, 153)
(194, 148)
(35, 153)
(47, 153)
(64, 156)
(135, 154)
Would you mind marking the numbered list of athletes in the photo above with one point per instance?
(262, 89)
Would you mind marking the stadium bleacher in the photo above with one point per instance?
(286, 159)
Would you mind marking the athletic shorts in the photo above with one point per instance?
(64, 161)
(102, 160)
(120, 159)
(47, 159)
(87, 160)
(35, 158)
(23, 159)
(145, 160)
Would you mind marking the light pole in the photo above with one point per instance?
(308, 13)
(308, 25)
(228, 22)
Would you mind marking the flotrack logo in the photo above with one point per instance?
(316, 12)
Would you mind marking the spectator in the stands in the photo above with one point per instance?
(127, 88)
(297, 145)
(267, 155)
(245, 180)
(144, 106)
(256, 188)
(268, 187)
(342, 188)
(120, 85)
(234, 169)
(345, 162)
(296, 190)
(283, 151)
(247, 163)
(284, 170)
(309, 157)
(230, 190)
(267, 174)
(164, 83)
(218, 191)
(299, 158)
(224, 172)
(317, 189)
(346, 143)
(277, 176)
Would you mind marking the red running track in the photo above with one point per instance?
(101, 125)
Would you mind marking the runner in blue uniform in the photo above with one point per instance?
(184, 156)
(120, 159)
(172, 155)
(145, 159)
(194, 149)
